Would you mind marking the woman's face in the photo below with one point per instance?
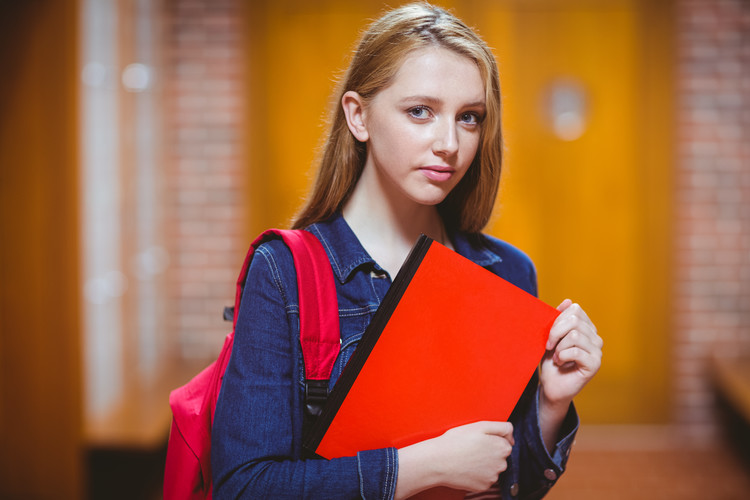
(423, 130)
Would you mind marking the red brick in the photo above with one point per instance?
(205, 102)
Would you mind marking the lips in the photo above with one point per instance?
(438, 173)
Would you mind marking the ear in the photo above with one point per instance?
(354, 110)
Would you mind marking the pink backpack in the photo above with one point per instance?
(188, 466)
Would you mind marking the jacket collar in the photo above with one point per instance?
(475, 248)
(347, 254)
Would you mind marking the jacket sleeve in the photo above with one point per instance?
(257, 435)
(532, 469)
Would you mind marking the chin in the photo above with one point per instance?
(431, 201)
(428, 195)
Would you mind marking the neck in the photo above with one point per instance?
(388, 228)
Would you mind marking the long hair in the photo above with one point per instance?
(379, 55)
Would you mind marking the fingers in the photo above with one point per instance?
(500, 437)
(492, 428)
(572, 318)
(574, 339)
(575, 343)
(564, 305)
(477, 454)
(504, 429)
(578, 358)
(501, 429)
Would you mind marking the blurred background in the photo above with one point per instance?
(143, 144)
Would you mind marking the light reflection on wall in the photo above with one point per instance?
(566, 109)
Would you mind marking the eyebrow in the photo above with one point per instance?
(434, 100)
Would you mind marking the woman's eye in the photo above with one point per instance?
(418, 112)
(470, 118)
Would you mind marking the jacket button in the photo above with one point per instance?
(514, 489)
(550, 474)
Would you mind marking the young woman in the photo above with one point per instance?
(414, 147)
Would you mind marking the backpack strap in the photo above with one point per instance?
(187, 472)
(320, 337)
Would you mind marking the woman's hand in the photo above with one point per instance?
(469, 457)
(574, 355)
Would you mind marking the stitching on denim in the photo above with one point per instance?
(331, 254)
(374, 291)
(390, 472)
(289, 308)
(489, 258)
(361, 478)
(357, 337)
(362, 260)
(274, 268)
(341, 272)
(357, 311)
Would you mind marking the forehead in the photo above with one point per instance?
(438, 72)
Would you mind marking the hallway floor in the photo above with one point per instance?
(607, 463)
(650, 464)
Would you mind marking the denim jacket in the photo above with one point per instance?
(257, 435)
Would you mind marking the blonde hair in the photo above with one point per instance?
(381, 50)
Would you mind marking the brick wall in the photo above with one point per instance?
(204, 113)
(712, 283)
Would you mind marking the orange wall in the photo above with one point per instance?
(594, 213)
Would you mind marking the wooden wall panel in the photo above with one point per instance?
(40, 389)
(594, 212)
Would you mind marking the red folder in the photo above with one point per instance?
(452, 343)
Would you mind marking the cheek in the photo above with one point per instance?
(469, 148)
(398, 139)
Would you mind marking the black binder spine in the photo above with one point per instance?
(367, 343)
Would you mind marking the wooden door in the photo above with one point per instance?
(41, 445)
(586, 188)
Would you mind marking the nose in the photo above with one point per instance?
(445, 142)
